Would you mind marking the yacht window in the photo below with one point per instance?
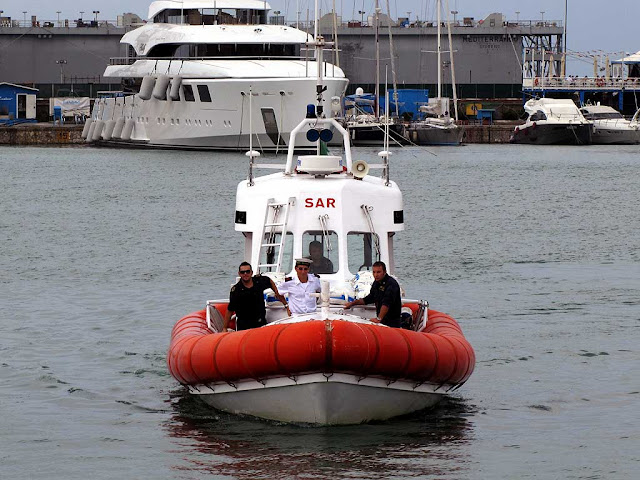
(604, 116)
(361, 250)
(203, 91)
(167, 50)
(322, 249)
(539, 115)
(194, 17)
(270, 254)
(188, 93)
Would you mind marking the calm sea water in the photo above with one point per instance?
(536, 251)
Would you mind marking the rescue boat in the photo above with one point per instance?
(332, 366)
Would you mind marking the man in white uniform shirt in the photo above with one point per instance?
(300, 287)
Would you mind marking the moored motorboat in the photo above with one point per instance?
(610, 126)
(553, 121)
(332, 365)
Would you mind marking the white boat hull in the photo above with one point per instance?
(224, 123)
(337, 399)
(604, 135)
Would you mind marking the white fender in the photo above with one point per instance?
(128, 129)
(160, 88)
(146, 88)
(87, 126)
(117, 128)
(97, 132)
(108, 129)
(174, 94)
(92, 127)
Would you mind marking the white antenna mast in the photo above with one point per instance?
(439, 6)
(252, 154)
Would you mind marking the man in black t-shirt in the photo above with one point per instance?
(385, 293)
(246, 299)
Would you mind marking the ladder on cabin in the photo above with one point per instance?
(275, 222)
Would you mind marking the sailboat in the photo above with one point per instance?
(362, 111)
(438, 127)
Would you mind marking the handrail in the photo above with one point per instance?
(541, 83)
(132, 60)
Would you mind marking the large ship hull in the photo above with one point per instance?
(261, 110)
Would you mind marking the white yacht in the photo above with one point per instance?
(207, 73)
(610, 127)
(553, 121)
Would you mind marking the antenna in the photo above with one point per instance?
(252, 154)
(384, 154)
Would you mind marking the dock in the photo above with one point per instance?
(49, 135)
(42, 134)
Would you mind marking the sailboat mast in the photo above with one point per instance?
(452, 64)
(439, 7)
(393, 61)
(376, 22)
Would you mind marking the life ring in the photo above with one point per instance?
(535, 81)
(599, 82)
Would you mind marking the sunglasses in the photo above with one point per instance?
(244, 271)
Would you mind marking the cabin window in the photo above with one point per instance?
(211, 16)
(203, 91)
(187, 91)
(362, 250)
(539, 115)
(199, 50)
(270, 254)
(322, 249)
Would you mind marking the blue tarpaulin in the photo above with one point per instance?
(409, 102)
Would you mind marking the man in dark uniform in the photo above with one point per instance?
(246, 299)
(385, 293)
(320, 263)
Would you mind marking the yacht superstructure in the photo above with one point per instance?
(196, 65)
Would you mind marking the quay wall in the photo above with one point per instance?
(41, 134)
(44, 134)
(499, 133)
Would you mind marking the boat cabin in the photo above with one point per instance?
(219, 12)
(343, 221)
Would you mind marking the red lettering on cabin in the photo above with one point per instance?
(320, 203)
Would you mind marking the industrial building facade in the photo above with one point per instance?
(60, 59)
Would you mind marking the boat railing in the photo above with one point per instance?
(132, 60)
(612, 122)
(315, 123)
(567, 117)
(571, 83)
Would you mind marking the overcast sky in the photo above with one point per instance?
(610, 27)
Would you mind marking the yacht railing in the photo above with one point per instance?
(610, 122)
(565, 117)
(132, 60)
(571, 83)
